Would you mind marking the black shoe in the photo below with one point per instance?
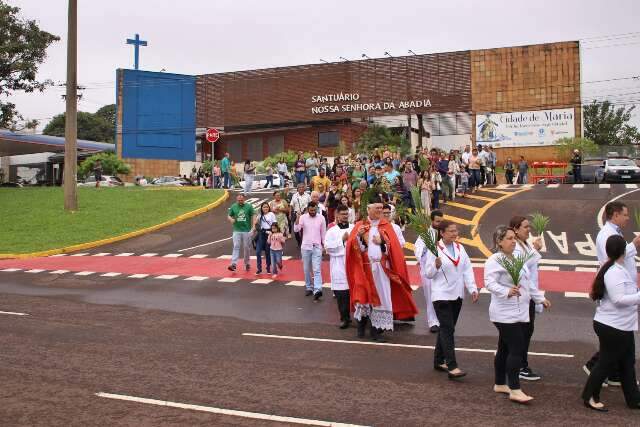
(456, 376)
(317, 296)
(231, 268)
(362, 327)
(247, 267)
(529, 375)
(588, 405)
(345, 324)
(307, 293)
(376, 335)
(434, 329)
(258, 272)
(268, 270)
(441, 368)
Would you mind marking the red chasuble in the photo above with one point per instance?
(361, 285)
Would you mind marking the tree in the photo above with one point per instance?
(111, 165)
(108, 112)
(377, 136)
(93, 127)
(23, 47)
(565, 146)
(606, 125)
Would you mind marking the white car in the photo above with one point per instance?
(620, 169)
(260, 182)
(106, 181)
(170, 181)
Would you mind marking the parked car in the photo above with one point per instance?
(171, 181)
(106, 181)
(260, 182)
(11, 184)
(591, 173)
(620, 169)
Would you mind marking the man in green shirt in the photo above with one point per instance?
(241, 216)
(225, 166)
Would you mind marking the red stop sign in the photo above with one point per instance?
(213, 135)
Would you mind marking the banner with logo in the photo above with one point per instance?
(525, 128)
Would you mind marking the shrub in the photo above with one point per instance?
(290, 158)
(565, 147)
(111, 165)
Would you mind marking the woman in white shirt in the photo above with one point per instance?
(522, 227)
(262, 224)
(615, 321)
(450, 273)
(509, 312)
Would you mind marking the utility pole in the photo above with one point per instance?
(71, 116)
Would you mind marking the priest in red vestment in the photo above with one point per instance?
(377, 274)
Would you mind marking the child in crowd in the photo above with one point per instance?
(464, 182)
(217, 173)
(276, 239)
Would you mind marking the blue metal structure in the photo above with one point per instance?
(158, 115)
(136, 49)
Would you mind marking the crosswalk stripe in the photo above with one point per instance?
(58, 271)
(81, 254)
(138, 276)
(631, 185)
(125, 254)
(198, 256)
(150, 254)
(110, 274)
(102, 254)
(85, 273)
(586, 269)
(604, 186)
(58, 255)
(295, 283)
(553, 185)
(576, 295)
(35, 270)
(172, 255)
(229, 279)
(166, 276)
(262, 281)
(547, 268)
(11, 270)
(484, 291)
(196, 278)
(578, 185)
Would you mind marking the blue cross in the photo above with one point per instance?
(136, 43)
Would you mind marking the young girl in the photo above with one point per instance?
(464, 182)
(276, 240)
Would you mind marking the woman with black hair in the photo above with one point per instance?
(263, 227)
(509, 312)
(615, 321)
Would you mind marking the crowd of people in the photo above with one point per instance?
(327, 214)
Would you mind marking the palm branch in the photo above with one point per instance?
(514, 266)
(420, 222)
(365, 198)
(539, 223)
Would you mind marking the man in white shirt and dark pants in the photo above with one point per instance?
(617, 216)
(334, 244)
(421, 255)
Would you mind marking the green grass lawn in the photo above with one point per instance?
(33, 219)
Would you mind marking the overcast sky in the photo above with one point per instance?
(209, 36)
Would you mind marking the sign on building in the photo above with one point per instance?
(525, 128)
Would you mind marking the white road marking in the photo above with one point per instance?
(198, 256)
(412, 262)
(58, 271)
(166, 276)
(125, 254)
(85, 273)
(295, 283)
(150, 254)
(138, 276)
(427, 347)
(578, 185)
(631, 185)
(604, 186)
(414, 287)
(197, 278)
(35, 270)
(110, 274)
(58, 255)
(172, 255)
(549, 268)
(229, 279)
(586, 269)
(81, 254)
(11, 270)
(484, 291)
(222, 411)
(13, 313)
(568, 262)
(205, 244)
(601, 212)
(102, 254)
(326, 285)
(553, 185)
(262, 281)
(576, 295)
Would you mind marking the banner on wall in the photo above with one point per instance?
(525, 128)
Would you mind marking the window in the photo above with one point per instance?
(328, 139)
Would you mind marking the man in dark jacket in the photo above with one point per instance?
(576, 165)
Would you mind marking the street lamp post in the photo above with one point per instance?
(71, 119)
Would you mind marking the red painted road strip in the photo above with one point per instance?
(554, 281)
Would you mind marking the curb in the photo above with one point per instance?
(89, 245)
